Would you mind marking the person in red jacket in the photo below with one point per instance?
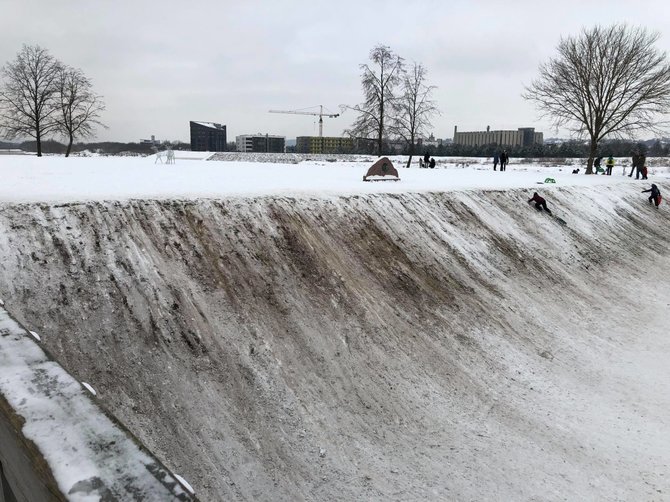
(540, 203)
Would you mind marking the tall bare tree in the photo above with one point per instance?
(379, 83)
(28, 93)
(79, 107)
(608, 81)
(413, 108)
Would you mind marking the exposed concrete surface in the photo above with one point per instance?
(56, 444)
(453, 346)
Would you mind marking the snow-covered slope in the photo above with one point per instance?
(392, 346)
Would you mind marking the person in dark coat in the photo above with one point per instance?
(639, 160)
(504, 159)
(426, 159)
(540, 203)
(432, 163)
(655, 196)
(634, 161)
(496, 159)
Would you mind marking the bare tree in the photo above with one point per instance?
(608, 81)
(379, 84)
(79, 107)
(413, 108)
(27, 95)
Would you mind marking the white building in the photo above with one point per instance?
(524, 136)
(264, 143)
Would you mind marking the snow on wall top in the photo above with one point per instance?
(211, 125)
(59, 179)
(90, 457)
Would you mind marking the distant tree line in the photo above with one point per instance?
(571, 148)
(102, 147)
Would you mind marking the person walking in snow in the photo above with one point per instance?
(655, 196)
(642, 164)
(540, 203)
(639, 160)
(504, 159)
(496, 159)
(432, 163)
(633, 164)
(609, 164)
(596, 164)
(426, 159)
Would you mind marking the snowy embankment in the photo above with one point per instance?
(326, 342)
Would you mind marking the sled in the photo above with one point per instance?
(551, 215)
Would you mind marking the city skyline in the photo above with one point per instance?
(160, 66)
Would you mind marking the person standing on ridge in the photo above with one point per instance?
(655, 196)
(540, 203)
(639, 160)
(642, 164)
(609, 164)
(634, 157)
(596, 164)
(504, 159)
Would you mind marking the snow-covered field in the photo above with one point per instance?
(289, 332)
(57, 179)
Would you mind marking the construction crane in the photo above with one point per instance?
(319, 113)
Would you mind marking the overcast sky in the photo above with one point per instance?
(160, 64)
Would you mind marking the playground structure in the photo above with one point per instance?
(165, 157)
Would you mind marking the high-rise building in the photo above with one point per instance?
(260, 143)
(318, 144)
(524, 136)
(208, 137)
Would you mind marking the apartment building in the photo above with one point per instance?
(208, 137)
(524, 136)
(317, 144)
(260, 143)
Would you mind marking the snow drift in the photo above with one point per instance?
(447, 346)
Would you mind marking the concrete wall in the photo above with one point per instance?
(56, 443)
(25, 475)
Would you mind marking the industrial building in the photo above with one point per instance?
(208, 137)
(524, 136)
(263, 143)
(318, 144)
